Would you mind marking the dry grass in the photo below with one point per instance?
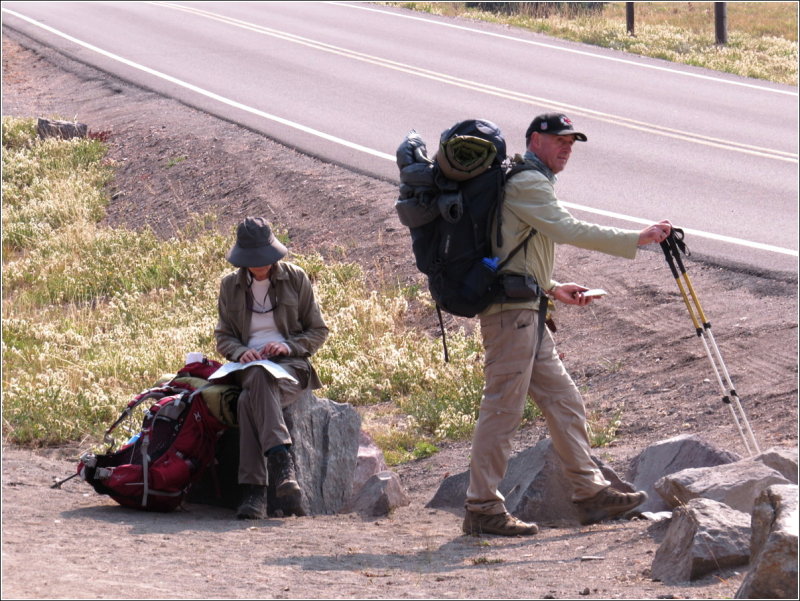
(762, 36)
(776, 19)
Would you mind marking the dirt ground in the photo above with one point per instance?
(635, 351)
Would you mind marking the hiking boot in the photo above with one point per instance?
(281, 468)
(503, 524)
(609, 503)
(254, 502)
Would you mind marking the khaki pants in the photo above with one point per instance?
(509, 339)
(259, 413)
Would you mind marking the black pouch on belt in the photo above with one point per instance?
(524, 287)
(521, 287)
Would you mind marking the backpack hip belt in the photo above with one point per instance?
(518, 288)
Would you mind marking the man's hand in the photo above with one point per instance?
(571, 294)
(273, 349)
(250, 355)
(655, 234)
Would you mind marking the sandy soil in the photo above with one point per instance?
(635, 350)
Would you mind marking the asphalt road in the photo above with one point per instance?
(716, 154)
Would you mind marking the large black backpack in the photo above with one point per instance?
(449, 205)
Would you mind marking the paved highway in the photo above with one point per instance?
(716, 154)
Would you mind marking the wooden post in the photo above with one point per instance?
(629, 17)
(721, 22)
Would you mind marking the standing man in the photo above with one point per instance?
(521, 358)
(267, 310)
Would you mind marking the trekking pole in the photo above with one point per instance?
(672, 247)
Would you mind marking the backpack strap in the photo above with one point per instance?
(444, 336)
(541, 325)
(517, 248)
(517, 166)
(145, 468)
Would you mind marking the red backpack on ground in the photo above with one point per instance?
(154, 470)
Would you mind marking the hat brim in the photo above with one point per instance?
(256, 257)
(581, 137)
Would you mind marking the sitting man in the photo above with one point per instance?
(267, 310)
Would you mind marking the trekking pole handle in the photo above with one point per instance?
(670, 261)
(672, 246)
(677, 245)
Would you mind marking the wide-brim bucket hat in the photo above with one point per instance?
(256, 245)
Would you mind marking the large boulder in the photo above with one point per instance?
(325, 440)
(325, 443)
(670, 456)
(703, 536)
(773, 546)
(782, 460)
(534, 487)
(736, 484)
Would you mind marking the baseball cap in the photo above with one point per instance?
(556, 124)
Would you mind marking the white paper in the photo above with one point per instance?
(276, 370)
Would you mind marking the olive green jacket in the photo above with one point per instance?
(530, 201)
(297, 317)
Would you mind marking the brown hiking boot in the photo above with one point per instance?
(609, 503)
(281, 468)
(503, 524)
(254, 503)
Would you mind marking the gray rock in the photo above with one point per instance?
(670, 456)
(703, 536)
(735, 484)
(452, 493)
(325, 437)
(773, 546)
(381, 493)
(781, 460)
(370, 462)
(534, 487)
(49, 128)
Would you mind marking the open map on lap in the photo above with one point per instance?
(276, 370)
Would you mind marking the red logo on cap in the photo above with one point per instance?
(565, 120)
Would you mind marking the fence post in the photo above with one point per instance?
(629, 17)
(721, 22)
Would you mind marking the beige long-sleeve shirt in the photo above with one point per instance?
(530, 201)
